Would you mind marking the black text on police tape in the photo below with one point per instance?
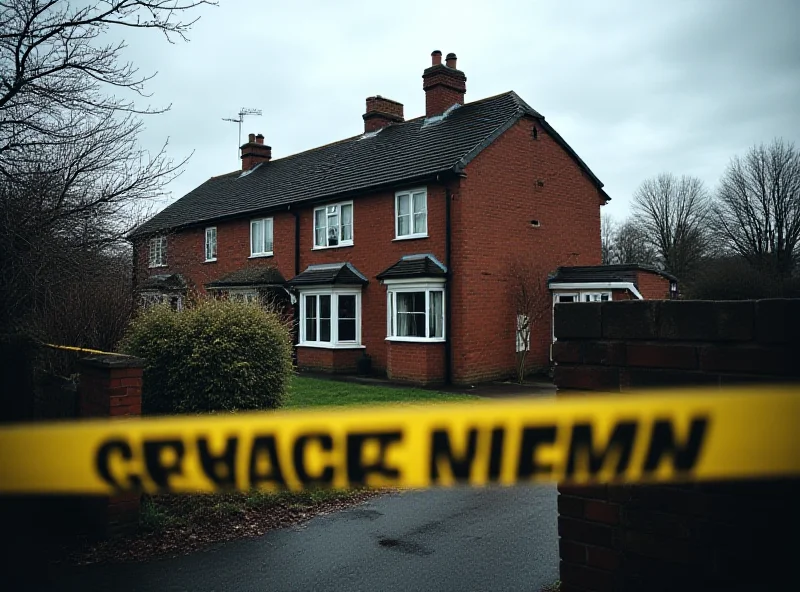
(124, 466)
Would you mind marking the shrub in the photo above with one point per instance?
(216, 356)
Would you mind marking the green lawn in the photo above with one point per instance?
(314, 392)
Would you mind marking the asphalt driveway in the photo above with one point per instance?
(459, 539)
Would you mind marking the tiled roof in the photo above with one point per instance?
(327, 274)
(407, 152)
(423, 265)
(603, 273)
(250, 276)
(164, 282)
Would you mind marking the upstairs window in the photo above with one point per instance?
(411, 214)
(261, 237)
(333, 226)
(158, 252)
(211, 243)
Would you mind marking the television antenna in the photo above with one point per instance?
(242, 112)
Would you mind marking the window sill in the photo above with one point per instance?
(210, 261)
(331, 247)
(417, 339)
(410, 237)
(260, 255)
(156, 266)
(331, 345)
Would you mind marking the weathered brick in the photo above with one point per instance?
(567, 352)
(778, 321)
(591, 491)
(657, 355)
(589, 578)
(634, 319)
(606, 353)
(647, 378)
(743, 359)
(602, 558)
(571, 551)
(601, 512)
(584, 531)
(570, 506)
(591, 378)
(695, 320)
(577, 320)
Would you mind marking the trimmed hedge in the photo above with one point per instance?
(216, 356)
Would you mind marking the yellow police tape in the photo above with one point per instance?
(661, 437)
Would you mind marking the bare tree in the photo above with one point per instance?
(758, 207)
(73, 179)
(631, 245)
(532, 303)
(672, 212)
(608, 232)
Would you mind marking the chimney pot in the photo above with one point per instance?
(436, 57)
(260, 139)
(450, 61)
(251, 138)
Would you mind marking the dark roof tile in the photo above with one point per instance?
(423, 265)
(603, 273)
(328, 274)
(250, 276)
(404, 152)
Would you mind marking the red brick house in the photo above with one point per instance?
(395, 243)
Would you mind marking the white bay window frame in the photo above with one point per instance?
(416, 214)
(265, 246)
(334, 292)
(406, 286)
(330, 212)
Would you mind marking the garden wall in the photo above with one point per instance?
(715, 536)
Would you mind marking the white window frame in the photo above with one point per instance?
(334, 292)
(243, 295)
(263, 222)
(341, 243)
(210, 235)
(149, 299)
(157, 253)
(399, 286)
(599, 296)
(410, 194)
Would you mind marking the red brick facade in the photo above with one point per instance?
(422, 363)
(343, 361)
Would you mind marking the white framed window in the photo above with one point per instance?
(243, 296)
(411, 214)
(523, 333)
(154, 298)
(415, 310)
(333, 225)
(261, 237)
(330, 317)
(595, 296)
(158, 252)
(211, 243)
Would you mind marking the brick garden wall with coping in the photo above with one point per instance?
(726, 536)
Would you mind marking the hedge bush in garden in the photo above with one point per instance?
(216, 356)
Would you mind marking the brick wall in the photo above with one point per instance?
(652, 286)
(415, 362)
(329, 360)
(515, 180)
(717, 536)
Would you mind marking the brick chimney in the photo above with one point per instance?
(381, 112)
(255, 152)
(444, 84)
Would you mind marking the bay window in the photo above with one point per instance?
(415, 311)
(330, 317)
(411, 214)
(333, 226)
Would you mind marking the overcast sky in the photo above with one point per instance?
(636, 87)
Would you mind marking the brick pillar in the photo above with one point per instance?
(111, 386)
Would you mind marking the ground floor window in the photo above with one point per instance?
(523, 333)
(244, 296)
(330, 318)
(416, 312)
(595, 296)
(149, 299)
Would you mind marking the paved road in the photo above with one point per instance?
(463, 539)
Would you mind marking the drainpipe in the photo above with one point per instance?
(296, 307)
(448, 348)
